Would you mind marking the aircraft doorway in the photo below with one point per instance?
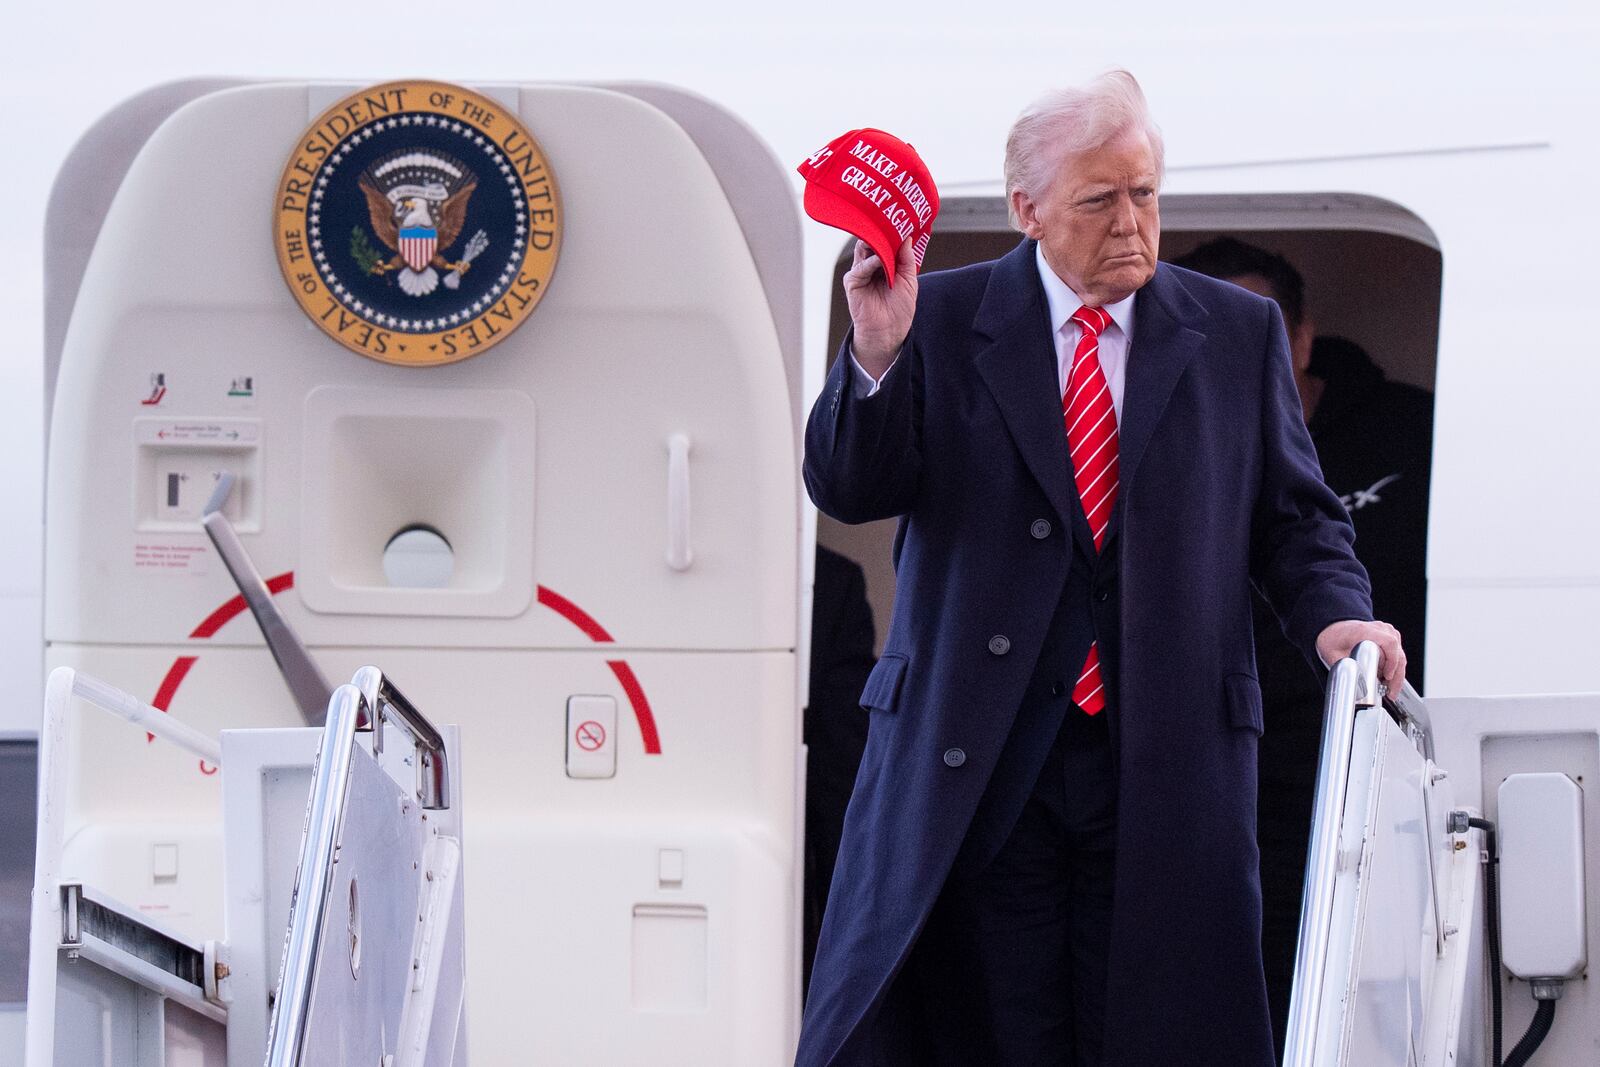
(1359, 282)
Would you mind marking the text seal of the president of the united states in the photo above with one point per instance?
(417, 222)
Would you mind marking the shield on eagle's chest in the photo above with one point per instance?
(417, 244)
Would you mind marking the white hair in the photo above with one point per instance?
(1064, 122)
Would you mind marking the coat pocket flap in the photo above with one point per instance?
(1244, 702)
(883, 684)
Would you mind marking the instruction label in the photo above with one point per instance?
(171, 557)
(199, 431)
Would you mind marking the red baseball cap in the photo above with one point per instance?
(875, 186)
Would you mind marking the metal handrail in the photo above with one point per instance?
(1353, 683)
(324, 819)
(1369, 690)
(1411, 711)
(306, 682)
(151, 720)
(433, 762)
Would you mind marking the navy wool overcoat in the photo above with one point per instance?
(1220, 488)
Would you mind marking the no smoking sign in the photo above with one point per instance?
(590, 735)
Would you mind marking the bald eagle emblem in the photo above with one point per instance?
(417, 204)
(417, 222)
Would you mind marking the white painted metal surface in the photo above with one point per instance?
(268, 781)
(91, 997)
(1542, 921)
(550, 466)
(1483, 741)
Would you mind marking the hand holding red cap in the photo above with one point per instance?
(872, 184)
(880, 314)
(875, 186)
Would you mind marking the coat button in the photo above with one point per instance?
(999, 644)
(954, 757)
(1057, 689)
(1104, 596)
(1040, 529)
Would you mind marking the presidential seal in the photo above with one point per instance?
(417, 222)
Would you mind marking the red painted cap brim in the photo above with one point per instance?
(830, 209)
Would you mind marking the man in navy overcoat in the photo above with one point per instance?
(1020, 881)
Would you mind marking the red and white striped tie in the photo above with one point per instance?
(1092, 441)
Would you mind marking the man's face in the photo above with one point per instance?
(1099, 223)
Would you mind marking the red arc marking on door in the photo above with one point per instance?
(225, 614)
(208, 627)
(575, 615)
(619, 667)
(590, 736)
(641, 706)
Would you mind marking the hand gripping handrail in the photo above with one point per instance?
(1406, 706)
(306, 683)
(1352, 684)
(367, 700)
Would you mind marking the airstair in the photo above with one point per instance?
(344, 943)
(1385, 928)
(372, 968)
(1421, 935)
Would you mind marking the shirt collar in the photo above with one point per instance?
(1063, 301)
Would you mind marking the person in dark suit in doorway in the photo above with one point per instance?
(1374, 440)
(1049, 857)
(842, 640)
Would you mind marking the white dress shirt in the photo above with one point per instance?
(1062, 301)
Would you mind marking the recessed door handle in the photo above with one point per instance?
(680, 554)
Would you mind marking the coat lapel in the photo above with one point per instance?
(1165, 339)
(1019, 368)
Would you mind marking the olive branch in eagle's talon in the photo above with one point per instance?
(368, 258)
